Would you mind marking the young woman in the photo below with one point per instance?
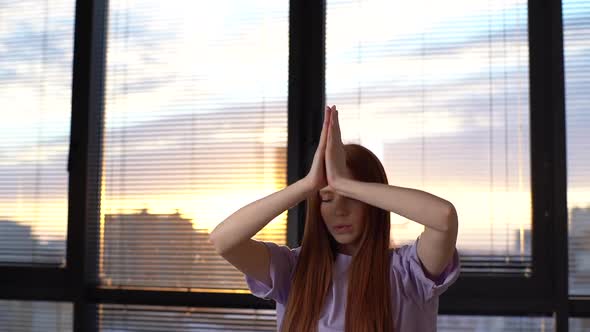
(345, 276)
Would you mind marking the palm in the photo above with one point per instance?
(317, 173)
(335, 153)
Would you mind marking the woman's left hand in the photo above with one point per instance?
(336, 169)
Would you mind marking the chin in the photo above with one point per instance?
(345, 238)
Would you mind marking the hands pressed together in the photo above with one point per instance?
(329, 162)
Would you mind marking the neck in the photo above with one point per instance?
(348, 249)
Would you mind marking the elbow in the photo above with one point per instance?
(451, 220)
(214, 241)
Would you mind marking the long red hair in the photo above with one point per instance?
(368, 306)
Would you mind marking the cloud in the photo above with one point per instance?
(185, 100)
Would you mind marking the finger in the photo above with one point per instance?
(336, 127)
(334, 119)
(332, 145)
(325, 127)
(330, 126)
(326, 123)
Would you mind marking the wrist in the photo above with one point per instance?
(340, 184)
(306, 184)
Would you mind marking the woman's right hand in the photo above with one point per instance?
(316, 178)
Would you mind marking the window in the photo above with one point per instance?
(579, 324)
(27, 316)
(36, 41)
(439, 92)
(135, 318)
(494, 323)
(195, 128)
(192, 124)
(576, 44)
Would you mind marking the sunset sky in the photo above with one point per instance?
(196, 107)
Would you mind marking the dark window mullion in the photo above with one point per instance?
(178, 298)
(306, 97)
(550, 256)
(85, 152)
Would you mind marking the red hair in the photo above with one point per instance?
(368, 304)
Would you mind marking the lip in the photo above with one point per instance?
(346, 228)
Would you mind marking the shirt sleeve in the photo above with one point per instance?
(414, 277)
(282, 265)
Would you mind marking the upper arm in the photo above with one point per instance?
(436, 248)
(252, 258)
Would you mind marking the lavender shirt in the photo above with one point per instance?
(414, 296)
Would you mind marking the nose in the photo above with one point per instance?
(341, 213)
(340, 205)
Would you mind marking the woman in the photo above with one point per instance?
(344, 276)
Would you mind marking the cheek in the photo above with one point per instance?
(324, 210)
(360, 216)
(358, 209)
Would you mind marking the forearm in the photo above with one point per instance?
(250, 219)
(419, 206)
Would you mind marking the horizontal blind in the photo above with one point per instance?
(36, 51)
(439, 92)
(27, 316)
(153, 318)
(195, 128)
(115, 317)
(579, 324)
(448, 323)
(576, 43)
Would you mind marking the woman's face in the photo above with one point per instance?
(344, 217)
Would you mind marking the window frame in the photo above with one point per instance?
(545, 293)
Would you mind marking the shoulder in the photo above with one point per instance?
(281, 248)
(281, 266)
(410, 275)
(282, 259)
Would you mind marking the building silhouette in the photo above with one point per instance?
(148, 250)
(579, 251)
(163, 250)
(17, 243)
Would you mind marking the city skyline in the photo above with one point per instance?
(208, 140)
(142, 249)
